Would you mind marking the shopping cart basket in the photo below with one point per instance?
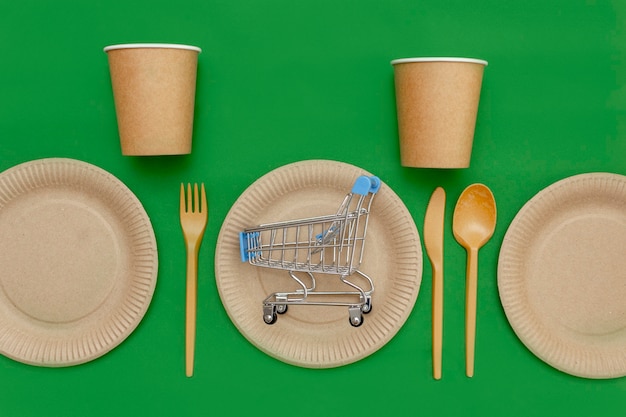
(331, 244)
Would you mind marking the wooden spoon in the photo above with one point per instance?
(473, 224)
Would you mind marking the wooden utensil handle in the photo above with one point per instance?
(437, 317)
(471, 285)
(190, 311)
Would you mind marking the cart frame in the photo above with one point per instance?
(331, 245)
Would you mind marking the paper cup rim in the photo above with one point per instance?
(439, 59)
(152, 45)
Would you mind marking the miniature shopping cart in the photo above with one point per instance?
(331, 244)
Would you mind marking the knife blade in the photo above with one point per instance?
(433, 241)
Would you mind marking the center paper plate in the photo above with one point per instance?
(310, 335)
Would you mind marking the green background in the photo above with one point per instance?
(282, 81)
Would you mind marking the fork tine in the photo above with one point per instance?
(205, 207)
(196, 198)
(189, 197)
(182, 198)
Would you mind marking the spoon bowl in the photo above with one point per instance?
(474, 216)
(473, 224)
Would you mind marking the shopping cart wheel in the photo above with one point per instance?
(269, 314)
(281, 308)
(270, 318)
(367, 307)
(356, 316)
(356, 321)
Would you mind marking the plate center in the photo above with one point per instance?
(581, 275)
(59, 258)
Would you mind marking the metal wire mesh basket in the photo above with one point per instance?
(331, 244)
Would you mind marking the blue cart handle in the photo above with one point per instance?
(244, 245)
(365, 184)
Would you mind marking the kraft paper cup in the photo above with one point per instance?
(154, 87)
(437, 102)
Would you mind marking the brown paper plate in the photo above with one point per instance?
(562, 275)
(319, 336)
(78, 262)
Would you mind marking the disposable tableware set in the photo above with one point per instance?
(318, 263)
(437, 100)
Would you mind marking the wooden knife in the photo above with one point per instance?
(433, 240)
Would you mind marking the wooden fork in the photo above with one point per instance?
(193, 219)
